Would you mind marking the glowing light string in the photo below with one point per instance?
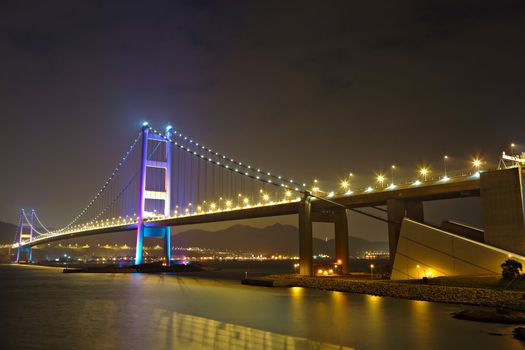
(105, 209)
(40, 222)
(115, 172)
(29, 223)
(249, 171)
(18, 226)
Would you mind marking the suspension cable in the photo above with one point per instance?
(250, 172)
(103, 188)
(40, 222)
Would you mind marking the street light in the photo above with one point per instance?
(345, 183)
(512, 153)
(424, 171)
(477, 163)
(445, 158)
(393, 167)
(381, 179)
(418, 271)
(372, 270)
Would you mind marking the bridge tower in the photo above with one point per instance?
(152, 197)
(25, 234)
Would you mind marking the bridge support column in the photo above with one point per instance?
(341, 239)
(397, 210)
(340, 220)
(27, 251)
(305, 238)
(157, 232)
(503, 209)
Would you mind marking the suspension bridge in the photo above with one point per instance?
(167, 179)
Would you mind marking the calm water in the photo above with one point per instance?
(41, 308)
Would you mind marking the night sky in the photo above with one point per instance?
(308, 89)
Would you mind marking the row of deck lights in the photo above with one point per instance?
(242, 203)
(381, 178)
(212, 208)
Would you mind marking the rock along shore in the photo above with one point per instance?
(444, 294)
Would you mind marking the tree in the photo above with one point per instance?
(511, 269)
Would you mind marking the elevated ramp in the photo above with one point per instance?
(463, 230)
(441, 253)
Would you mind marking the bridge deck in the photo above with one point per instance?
(437, 191)
(425, 192)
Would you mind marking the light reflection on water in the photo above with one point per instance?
(175, 330)
(84, 311)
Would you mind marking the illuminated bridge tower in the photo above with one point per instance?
(155, 162)
(25, 234)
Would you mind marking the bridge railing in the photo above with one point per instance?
(422, 180)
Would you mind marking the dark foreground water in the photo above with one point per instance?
(41, 308)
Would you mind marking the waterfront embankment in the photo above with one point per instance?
(510, 299)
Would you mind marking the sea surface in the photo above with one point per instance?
(42, 308)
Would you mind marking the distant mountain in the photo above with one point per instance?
(7, 232)
(271, 239)
(274, 239)
(278, 238)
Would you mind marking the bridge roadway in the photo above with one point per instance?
(464, 186)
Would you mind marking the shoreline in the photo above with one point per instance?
(512, 300)
(411, 290)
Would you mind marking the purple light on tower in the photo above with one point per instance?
(140, 210)
(156, 195)
(25, 235)
(167, 200)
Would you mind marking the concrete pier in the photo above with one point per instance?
(305, 237)
(503, 209)
(397, 210)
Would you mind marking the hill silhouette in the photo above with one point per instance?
(273, 239)
(277, 238)
(7, 232)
